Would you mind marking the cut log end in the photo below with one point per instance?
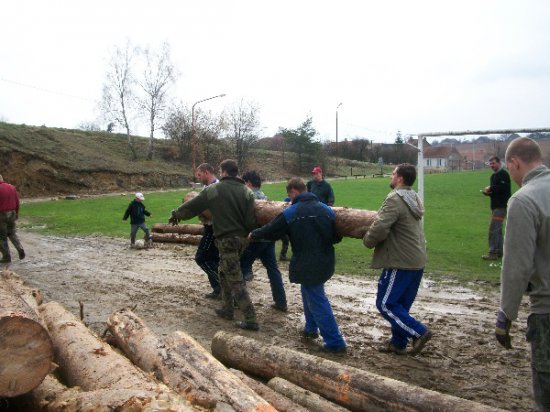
(26, 355)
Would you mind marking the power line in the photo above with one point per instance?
(41, 89)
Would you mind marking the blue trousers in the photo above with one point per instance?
(265, 251)
(208, 257)
(397, 291)
(319, 316)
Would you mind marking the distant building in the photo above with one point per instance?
(442, 157)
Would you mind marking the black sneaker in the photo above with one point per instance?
(223, 314)
(283, 258)
(309, 335)
(280, 308)
(213, 295)
(21, 254)
(389, 347)
(5, 260)
(419, 343)
(330, 349)
(247, 325)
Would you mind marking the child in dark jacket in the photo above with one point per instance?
(137, 212)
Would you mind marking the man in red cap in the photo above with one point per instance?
(320, 187)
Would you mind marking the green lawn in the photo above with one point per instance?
(456, 221)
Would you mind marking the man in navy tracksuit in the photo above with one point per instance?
(310, 226)
(137, 212)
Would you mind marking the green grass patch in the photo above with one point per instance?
(456, 222)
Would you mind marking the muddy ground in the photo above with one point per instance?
(167, 290)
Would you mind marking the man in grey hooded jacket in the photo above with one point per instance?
(526, 263)
(397, 237)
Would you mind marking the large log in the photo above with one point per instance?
(279, 401)
(86, 361)
(308, 399)
(350, 387)
(186, 229)
(26, 350)
(176, 238)
(349, 222)
(240, 396)
(31, 296)
(146, 350)
(51, 395)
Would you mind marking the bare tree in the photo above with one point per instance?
(158, 75)
(243, 127)
(117, 101)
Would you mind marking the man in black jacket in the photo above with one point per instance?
(499, 190)
(310, 226)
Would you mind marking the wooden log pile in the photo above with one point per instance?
(146, 372)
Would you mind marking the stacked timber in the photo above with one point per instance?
(176, 238)
(26, 350)
(353, 388)
(87, 362)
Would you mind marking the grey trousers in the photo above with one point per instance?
(8, 231)
(538, 335)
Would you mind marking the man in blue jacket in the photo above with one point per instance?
(310, 226)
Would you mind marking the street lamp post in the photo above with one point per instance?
(193, 127)
(337, 107)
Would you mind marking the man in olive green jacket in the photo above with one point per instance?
(397, 237)
(232, 206)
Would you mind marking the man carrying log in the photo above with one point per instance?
(310, 226)
(207, 256)
(264, 250)
(232, 206)
(397, 237)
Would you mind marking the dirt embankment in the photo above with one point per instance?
(167, 290)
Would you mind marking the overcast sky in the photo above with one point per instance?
(414, 66)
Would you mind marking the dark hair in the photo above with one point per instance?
(525, 149)
(230, 167)
(253, 177)
(206, 167)
(296, 183)
(495, 158)
(407, 172)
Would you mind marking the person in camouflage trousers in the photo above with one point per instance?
(232, 205)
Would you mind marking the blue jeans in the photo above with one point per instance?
(496, 239)
(134, 229)
(397, 291)
(208, 258)
(265, 251)
(538, 335)
(319, 315)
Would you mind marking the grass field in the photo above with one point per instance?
(456, 221)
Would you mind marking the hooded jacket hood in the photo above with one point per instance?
(412, 200)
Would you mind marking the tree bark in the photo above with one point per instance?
(53, 396)
(239, 395)
(301, 396)
(187, 229)
(175, 238)
(26, 350)
(349, 222)
(146, 350)
(350, 387)
(279, 401)
(86, 361)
